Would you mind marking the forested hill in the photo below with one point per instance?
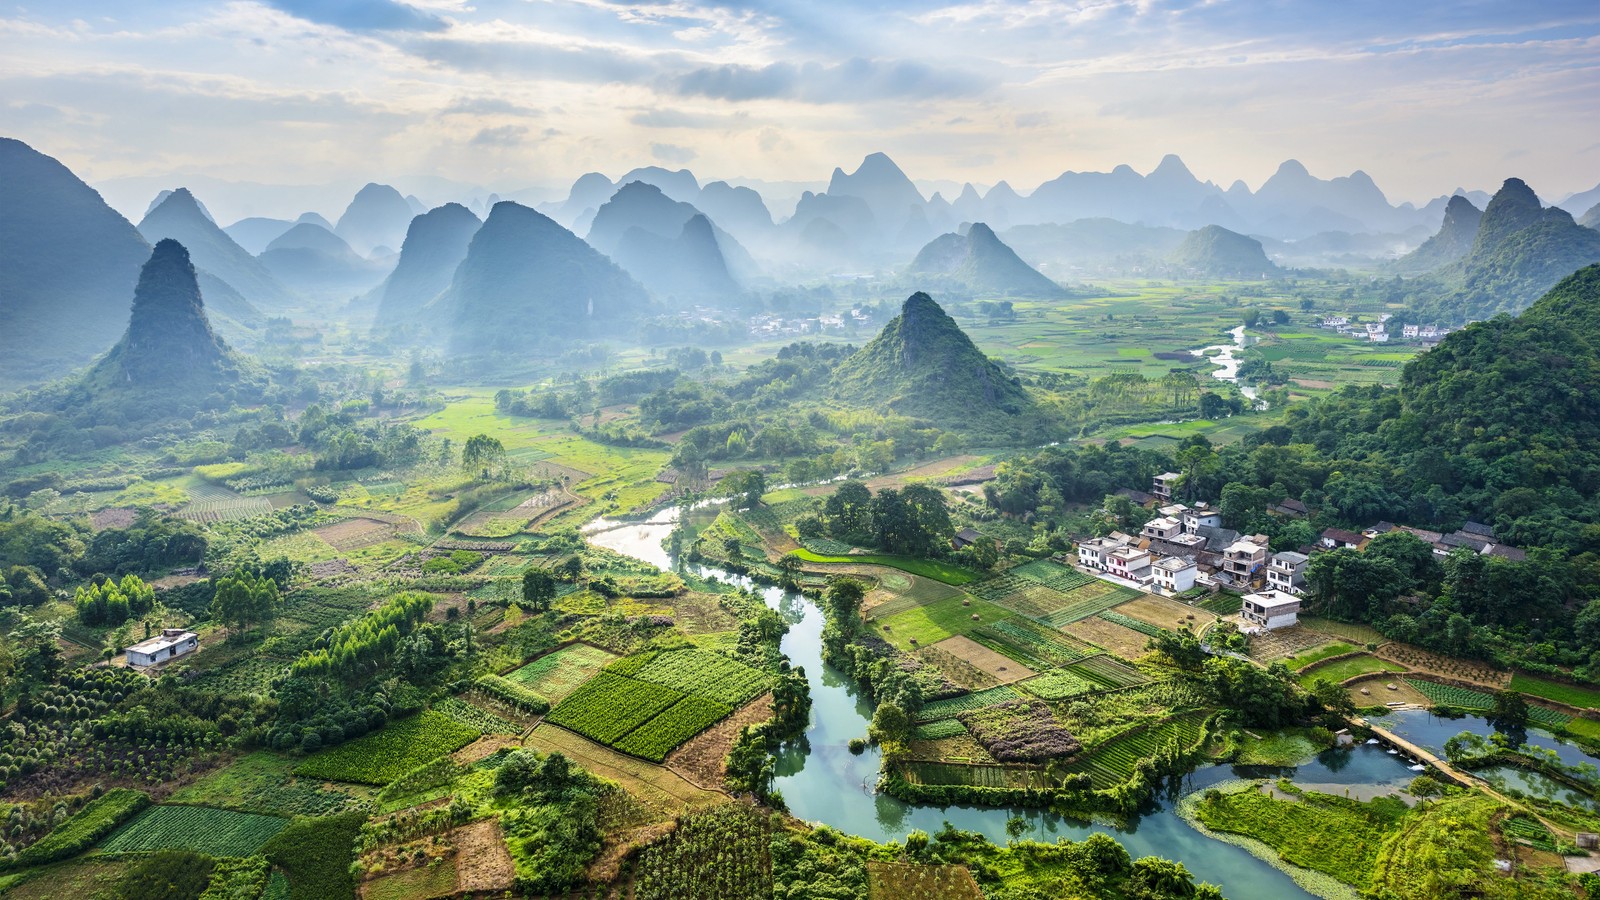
(923, 365)
(1503, 417)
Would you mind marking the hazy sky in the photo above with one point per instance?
(507, 93)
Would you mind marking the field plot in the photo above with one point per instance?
(944, 709)
(397, 748)
(1059, 684)
(990, 775)
(1316, 655)
(704, 674)
(1341, 670)
(1354, 634)
(1463, 698)
(934, 622)
(1113, 762)
(1164, 613)
(265, 783)
(556, 675)
(1224, 604)
(1001, 668)
(890, 599)
(353, 534)
(1108, 672)
(1130, 623)
(1420, 660)
(664, 733)
(1270, 646)
(473, 717)
(1052, 574)
(1124, 642)
(215, 832)
(903, 881)
(658, 787)
(215, 503)
(1569, 694)
(609, 706)
(1031, 644)
(1088, 599)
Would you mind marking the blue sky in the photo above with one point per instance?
(1423, 96)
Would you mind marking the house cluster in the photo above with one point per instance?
(770, 325)
(1428, 334)
(1474, 536)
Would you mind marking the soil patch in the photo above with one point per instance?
(1002, 668)
(353, 534)
(703, 760)
(482, 861)
(1164, 613)
(1119, 639)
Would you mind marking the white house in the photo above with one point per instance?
(1195, 518)
(1242, 559)
(173, 643)
(1164, 484)
(1162, 529)
(1092, 553)
(1287, 571)
(1129, 562)
(1271, 609)
(1174, 574)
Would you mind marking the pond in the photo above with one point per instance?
(823, 782)
(1429, 731)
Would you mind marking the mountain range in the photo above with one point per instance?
(180, 217)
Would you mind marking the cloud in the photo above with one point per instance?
(1033, 120)
(501, 136)
(361, 15)
(487, 106)
(853, 80)
(672, 153)
(677, 118)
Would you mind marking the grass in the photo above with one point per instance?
(1344, 669)
(1569, 694)
(214, 832)
(434, 880)
(1328, 834)
(1317, 654)
(316, 854)
(263, 782)
(397, 748)
(1285, 747)
(949, 573)
(930, 624)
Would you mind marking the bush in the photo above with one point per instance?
(96, 820)
(316, 855)
(167, 875)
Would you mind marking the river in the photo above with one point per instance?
(1226, 360)
(823, 782)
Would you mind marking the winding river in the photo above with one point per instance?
(822, 781)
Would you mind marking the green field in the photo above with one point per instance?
(263, 782)
(1329, 834)
(1113, 762)
(949, 573)
(397, 748)
(556, 675)
(1317, 654)
(1569, 694)
(934, 622)
(1341, 669)
(214, 832)
(943, 709)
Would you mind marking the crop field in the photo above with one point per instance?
(1129, 622)
(1031, 644)
(974, 774)
(355, 533)
(556, 675)
(265, 783)
(1052, 574)
(918, 591)
(1000, 667)
(1353, 634)
(703, 674)
(471, 716)
(1223, 604)
(1316, 655)
(1569, 694)
(609, 706)
(215, 503)
(1463, 698)
(940, 730)
(251, 675)
(1271, 646)
(1124, 642)
(904, 881)
(934, 622)
(1340, 670)
(1164, 613)
(949, 573)
(1113, 762)
(719, 854)
(943, 709)
(1059, 684)
(1419, 660)
(665, 732)
(1088, 599)
(394, 750)
(214, 832)
(1108, 672)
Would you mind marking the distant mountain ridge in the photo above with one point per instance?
(1216, 252)
(179, 217)
(436, 243)
(1455, 238)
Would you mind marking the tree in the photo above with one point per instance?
(746, 487)
(847, 511)
(37, 652)
(244, 599)
(538, 590)
(482, 454)
(1510, 716)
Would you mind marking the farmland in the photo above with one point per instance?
(709, 675)
(264, 783)
(899, 881)
(1344, 669)
(385, 755)
(1569, 694)
(948, 573)
(215, 832)
(609, 706)
(1031, 644)
(934, 622)
(1112, 763)
(1463, 698)
(558, 674)
(941, 709)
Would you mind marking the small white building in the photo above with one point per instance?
(1163, 529)
(1164, 483)
(1092, 553)
(1174, 574)
(1129, 562)
(1287, 571)
(1271, 610)
(1194, 519)
(173, 643)
(1243, 559)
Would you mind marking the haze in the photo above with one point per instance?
(442, 95)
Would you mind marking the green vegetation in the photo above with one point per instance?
(1345, 669)
(1321, 832)
(681, 867)
(558, 674)
(941, 709)
(934, 622)
(316, 854)
(1317, 654)
(1569, 694)
(1466, 698)
(263, 782)
(609, 706)
(381, 757)
(96, 820)
(948, 573)
(215, 832)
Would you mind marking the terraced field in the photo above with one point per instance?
(1108, 672)
(1064, 597)
(944, 709)
(1464, 698)
(556, 675)
(215, 503)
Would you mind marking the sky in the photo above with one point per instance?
(505, 94)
